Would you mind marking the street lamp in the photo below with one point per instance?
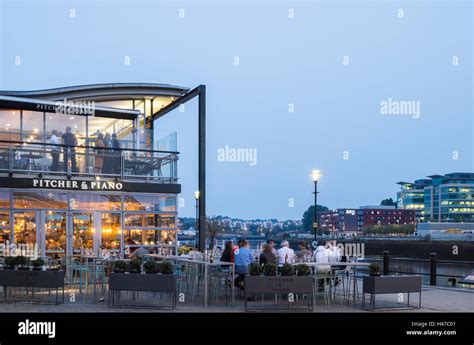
(315, 175)
(196, 197)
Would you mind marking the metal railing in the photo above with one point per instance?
(27, 158)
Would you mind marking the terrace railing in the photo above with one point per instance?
(29, 158)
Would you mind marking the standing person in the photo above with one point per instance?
(108, 159)
(267, 257)
(55, 150)
(303, 254)
(117, 155)
(285, 253)
(99, 153)
(228, 253)
(271, 243)
(242, 259)
(70, 141)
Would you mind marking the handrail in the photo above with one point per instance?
(86, 147)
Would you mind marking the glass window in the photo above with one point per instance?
(136, 237)
(110, 231)
(4, 199)
(4, 226)
(141, 202)
(10, 126)
(141, 220)
(96, 202)
(83, 232)
(55, 233)
(24, 227)
(33, 126)
(40, 200)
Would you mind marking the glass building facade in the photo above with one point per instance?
(445, 198)
(68, 189)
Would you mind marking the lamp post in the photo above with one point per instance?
(316, 174)
(196, 197)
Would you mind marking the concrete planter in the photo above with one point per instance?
(142, 282)
(278, 285)
(39, 279)
(374, 285)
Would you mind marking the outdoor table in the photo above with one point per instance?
(207, 265)
(354, 266)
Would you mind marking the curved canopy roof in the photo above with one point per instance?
(103, 92)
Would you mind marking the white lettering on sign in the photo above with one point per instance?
(83, 185)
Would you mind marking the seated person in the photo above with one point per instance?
(267, 256)
(303, 254)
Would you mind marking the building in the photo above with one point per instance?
(442, 198)
(447, 231)
(450, 198)
(383, 215)
(339, 222)
(412, 197)
(68, 188)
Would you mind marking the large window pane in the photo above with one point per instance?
(24, 227)
(10, 125)
(96, 202)
(39, 200)
(33, 126)
(110, 231)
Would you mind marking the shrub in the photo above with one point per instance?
(150, 266)
(120, 266)
(10, 261)
(287, 270)
(302, 270)
(21, 261)
(135, 265)
(39, 262)
(255, 269)
(374, 269)
(166, 267)
(270, 269)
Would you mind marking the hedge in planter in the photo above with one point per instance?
(166, 267)
(37, 264)
(135, 265)
(287, 270)
(255, 269)
(150, 267)
(302, 270)
(120, 266)
(270, 269)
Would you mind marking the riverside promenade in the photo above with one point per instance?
(434, 299)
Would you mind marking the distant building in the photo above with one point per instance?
(383, 215)
(339, 222)
(446, 198)
(412, 197)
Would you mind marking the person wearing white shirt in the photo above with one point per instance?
(321, 255)
(285, 253)
(55, 150)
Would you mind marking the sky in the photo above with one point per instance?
(295, 85)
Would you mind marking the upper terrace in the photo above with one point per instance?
(28, 119)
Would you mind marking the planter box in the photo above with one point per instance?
(141, 282)
(279, 285)
(391, 285)
(33, 279)
(39, 279)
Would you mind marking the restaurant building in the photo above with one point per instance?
(87, 168)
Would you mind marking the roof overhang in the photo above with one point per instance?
(76, 108)
(103, 92)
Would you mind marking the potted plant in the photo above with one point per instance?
(374, 270)
(21, 262)
(10, 262)
(302, 270)
(37, 264)
(255, 269)
(270, 269)
(166, 267)
(287, 270)
(120, 266)
(135, 265)
(150, 266)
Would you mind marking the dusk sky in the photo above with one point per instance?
(300, 83)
